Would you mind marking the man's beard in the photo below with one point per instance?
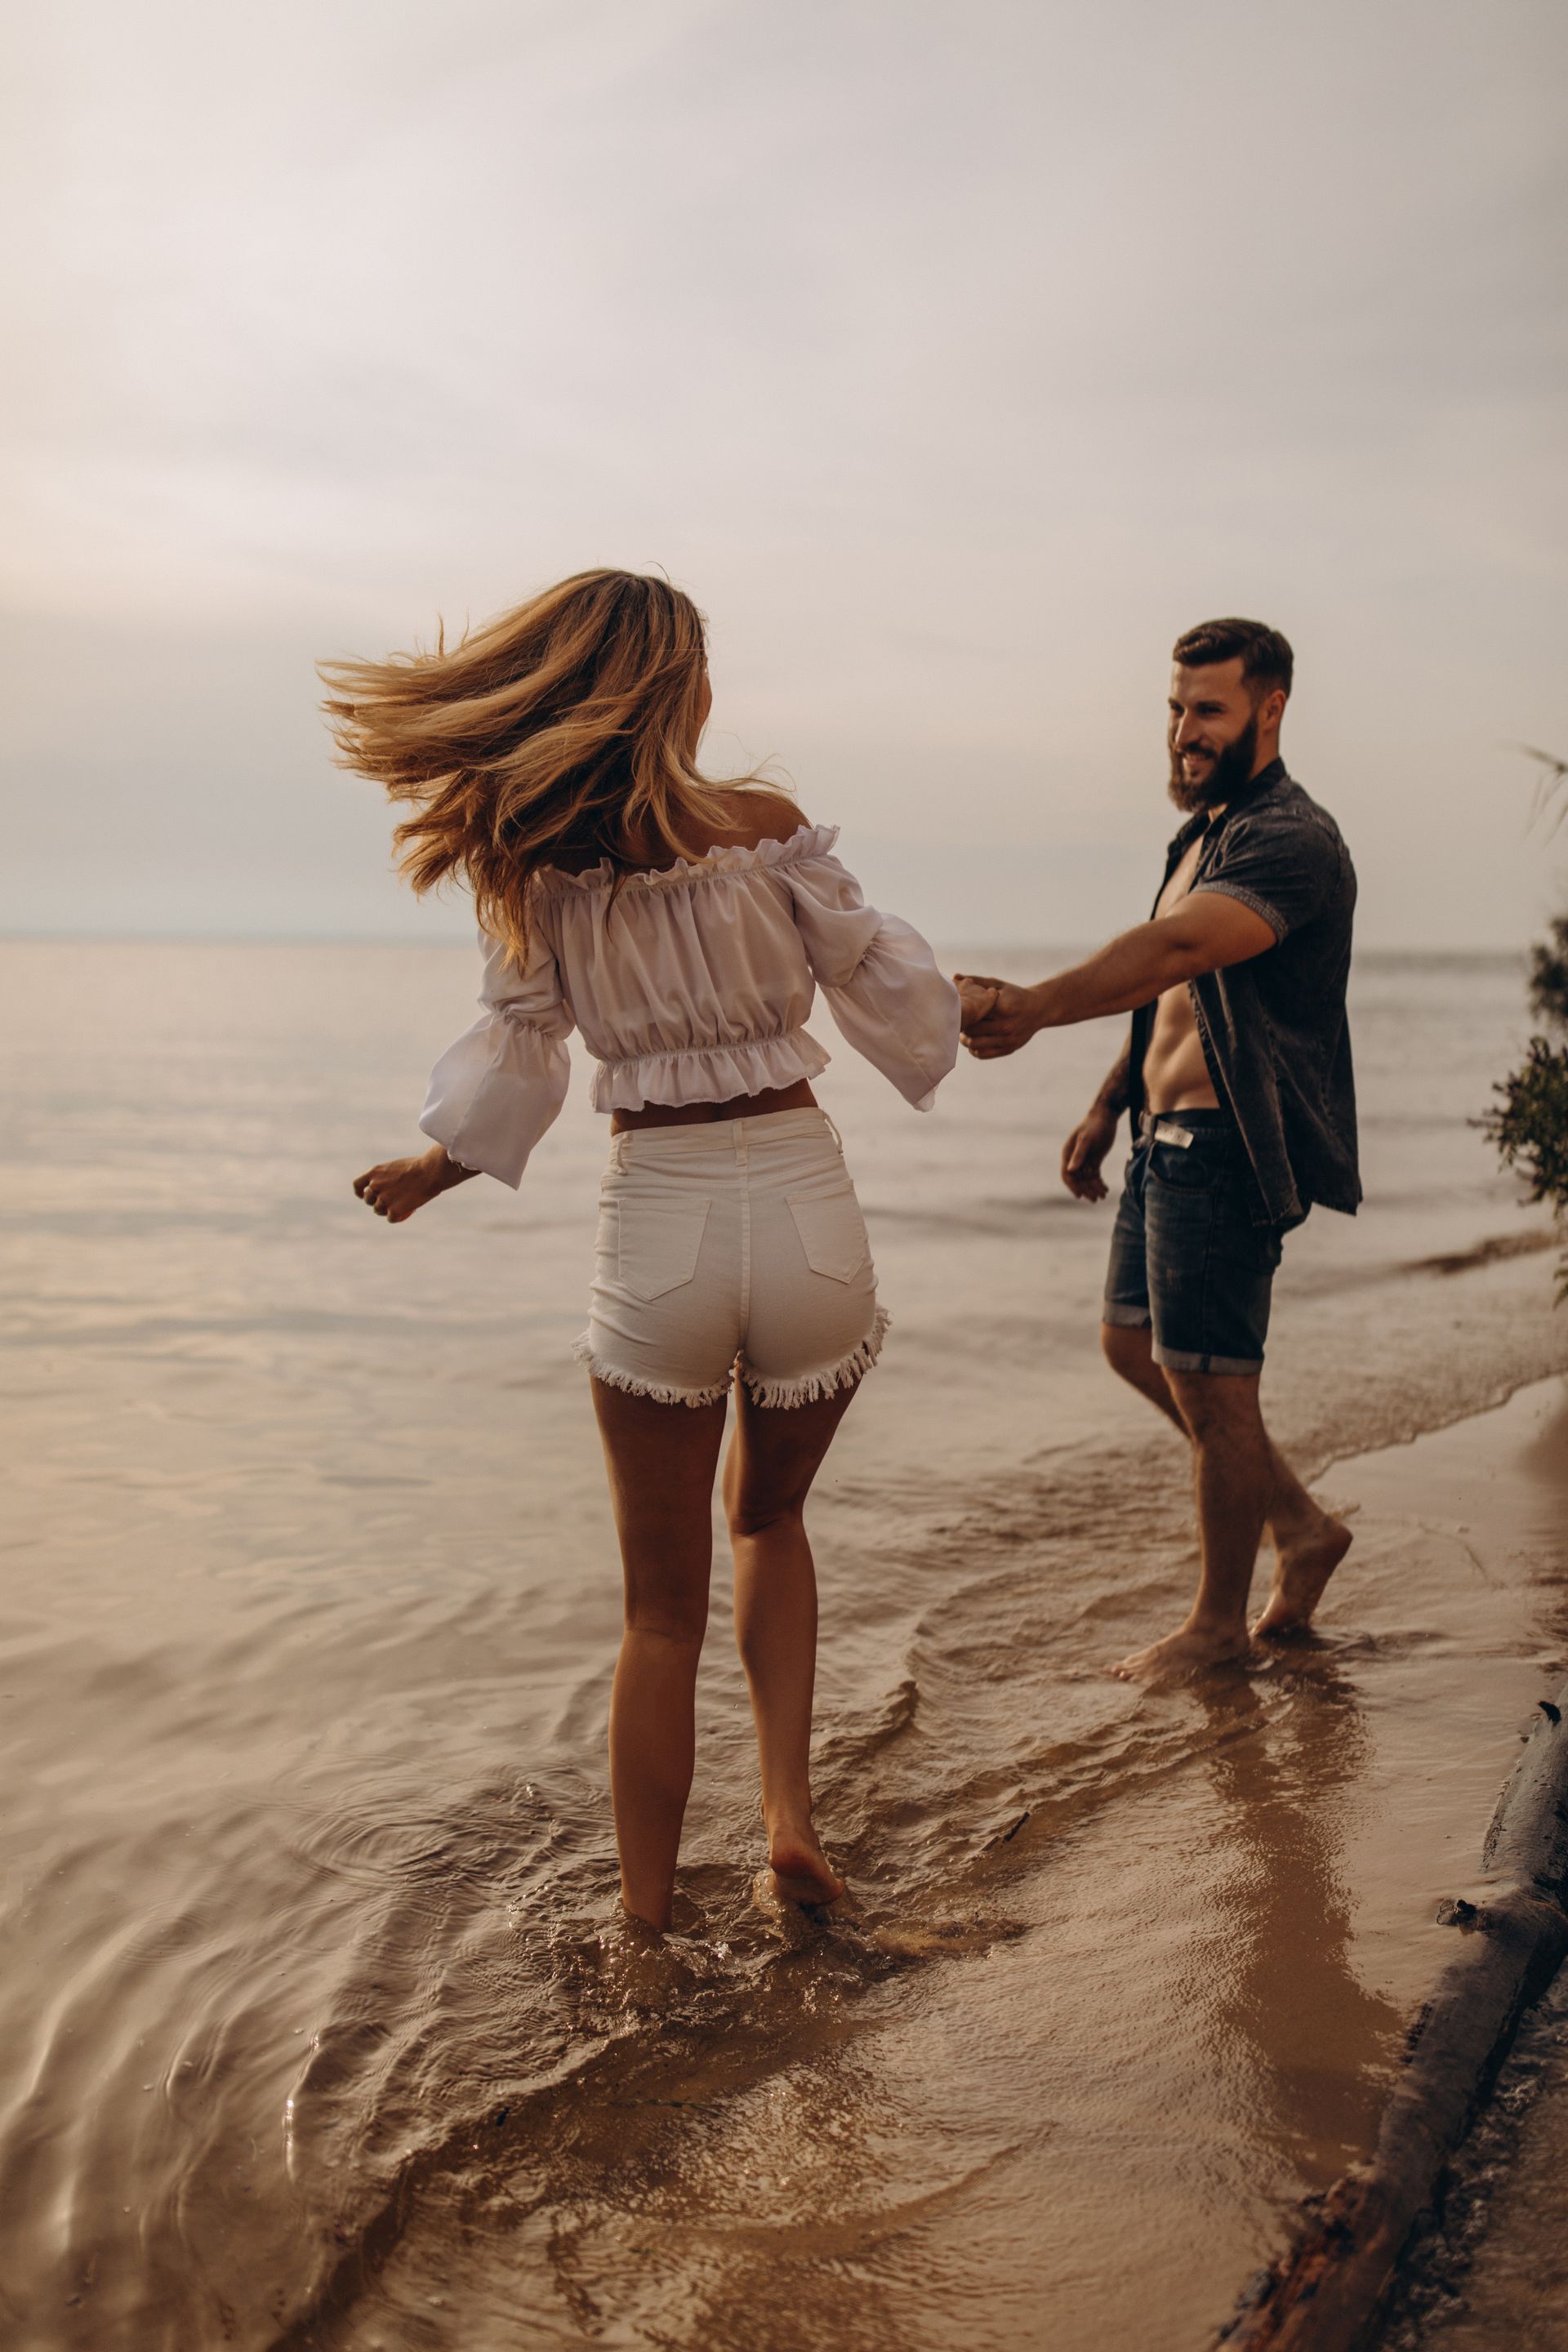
(1225, 781)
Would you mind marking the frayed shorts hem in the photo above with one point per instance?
(809, 1387)
(800, 1388)
(658, 1392)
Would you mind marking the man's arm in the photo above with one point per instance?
(1206, 932)
(1116, 1087)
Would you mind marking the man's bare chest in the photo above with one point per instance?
(1181, 881)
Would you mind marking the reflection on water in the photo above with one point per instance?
(1318, 2043)
(317, 2027)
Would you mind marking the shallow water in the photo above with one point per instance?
(318, 2026)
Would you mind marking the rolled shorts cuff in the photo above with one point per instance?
(1125, 1319)
(1177, 1360)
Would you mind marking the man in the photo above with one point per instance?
(1237, 1076)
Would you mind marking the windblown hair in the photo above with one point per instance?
(565, 727)
(1267, 659)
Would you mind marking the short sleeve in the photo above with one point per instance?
(500, 1086)
(880, 978)
(1288, 870)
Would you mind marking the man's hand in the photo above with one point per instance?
(1007, 1023)
(1084, 1151)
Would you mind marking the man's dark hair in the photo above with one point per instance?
(1267, 659)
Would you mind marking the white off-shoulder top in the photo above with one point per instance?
(689, 984)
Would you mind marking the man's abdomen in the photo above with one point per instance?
(1175, 1074)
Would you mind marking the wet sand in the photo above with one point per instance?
(317, 2027)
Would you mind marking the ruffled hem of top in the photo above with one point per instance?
(696, 1074)
(809, 841)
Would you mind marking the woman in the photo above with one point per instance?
(549, 761)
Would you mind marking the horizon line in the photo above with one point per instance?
(19, 938)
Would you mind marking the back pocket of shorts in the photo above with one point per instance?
(659, 1246)
(831, 1232)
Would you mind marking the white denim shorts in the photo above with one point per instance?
(735, 1245)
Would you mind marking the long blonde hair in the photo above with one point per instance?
(565, 726)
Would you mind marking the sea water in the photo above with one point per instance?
(317, 2025)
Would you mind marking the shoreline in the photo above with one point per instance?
(1492, 1400)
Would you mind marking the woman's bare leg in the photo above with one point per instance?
(773, 1456)
(662, 1460)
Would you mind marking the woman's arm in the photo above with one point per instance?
(880, 978)
(396, 1188)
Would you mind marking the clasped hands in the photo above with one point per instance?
(998, 1016)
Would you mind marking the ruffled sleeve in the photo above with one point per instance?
(495, 1091)
(880, 980)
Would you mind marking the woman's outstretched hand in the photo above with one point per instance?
(975, 998)
(396, 1188)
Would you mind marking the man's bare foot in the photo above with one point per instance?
(799, 1872)
(1180, 1656)
(1302, 1578)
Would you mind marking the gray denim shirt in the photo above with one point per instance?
(1274, 1030)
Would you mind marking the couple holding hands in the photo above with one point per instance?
(549, 762)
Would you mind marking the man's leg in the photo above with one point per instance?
(1308, 1543)
(1234, 1476)
(1128, 1350)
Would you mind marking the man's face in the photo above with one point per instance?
(1212, 734)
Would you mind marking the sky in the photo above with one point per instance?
(955, 357)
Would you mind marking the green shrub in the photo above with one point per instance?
(1549, 976)
(1529, 1124)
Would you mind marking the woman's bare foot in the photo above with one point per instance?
(396, 1188)
(1181, 1654)
(1302, 1578)
(799, 1870)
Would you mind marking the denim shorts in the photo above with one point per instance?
(1186, 1259)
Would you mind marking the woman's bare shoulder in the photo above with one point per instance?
(761, 812)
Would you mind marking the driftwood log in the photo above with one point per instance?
(1328, 2292)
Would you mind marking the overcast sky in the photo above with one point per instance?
(954, 356)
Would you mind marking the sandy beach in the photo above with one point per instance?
(319, 2029)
